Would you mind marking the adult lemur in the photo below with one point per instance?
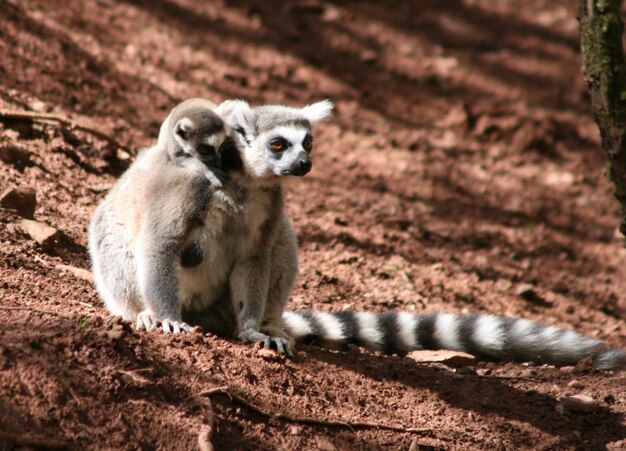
(172, 246)
(234, 267)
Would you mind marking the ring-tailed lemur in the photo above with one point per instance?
(169, 248)
(489, 336)
(138, 232)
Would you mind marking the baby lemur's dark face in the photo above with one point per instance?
(199, 133)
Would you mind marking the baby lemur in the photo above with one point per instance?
(195, 140)
(226, 258)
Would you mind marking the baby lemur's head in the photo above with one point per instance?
(193, 130)
(274, 140)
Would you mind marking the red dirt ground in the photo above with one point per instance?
(462, 163)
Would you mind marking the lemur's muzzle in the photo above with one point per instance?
(302, 165)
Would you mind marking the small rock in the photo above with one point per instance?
(122, 155)
(14, 154)
(575, 383)
(609, 399)
(269, 354)
(204, 439)
(22, 200)
(560, 409)
(527, 373)
(332, 14)
(115, 334)
(528, 292)
(579, 403)
(447, 140)
(368, 56)
(467, 371)
(38, 231)
(458, 115)
(79, 273)
(450, 358)
(38, 106)
(323, 444)
(295, 430)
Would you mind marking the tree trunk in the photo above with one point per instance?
(604, 71)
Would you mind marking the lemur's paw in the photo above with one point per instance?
(282, 345)
(175, 327)
(281, 340)
(146, 320)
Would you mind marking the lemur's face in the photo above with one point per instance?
(284, 150)
(274, 140)
(199, 133)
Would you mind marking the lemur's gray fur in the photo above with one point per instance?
(138, 233)
(196, 136)
(169, 248)
(237, 269)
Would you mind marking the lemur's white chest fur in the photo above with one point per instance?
(234, 233)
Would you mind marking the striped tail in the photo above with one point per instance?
(485, 336)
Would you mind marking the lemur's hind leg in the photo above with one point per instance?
(113, 265)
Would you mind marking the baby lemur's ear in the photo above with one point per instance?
(318, 111)
(182, 128)
(238, 115)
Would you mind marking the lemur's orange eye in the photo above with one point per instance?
(278, 144)
(307, 144)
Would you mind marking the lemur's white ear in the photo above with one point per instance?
(238, 115)
(318, 111)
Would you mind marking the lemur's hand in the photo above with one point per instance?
(147, 320)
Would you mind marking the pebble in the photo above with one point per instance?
(579, 403)
(529, 293)
(324, 444)
(14, 154)
(270, 355)
(575, 383)
(22, 200)
(115, 334)
(467, 371)
(38, 231)
(450, 358)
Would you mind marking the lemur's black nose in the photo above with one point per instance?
(302, 166)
